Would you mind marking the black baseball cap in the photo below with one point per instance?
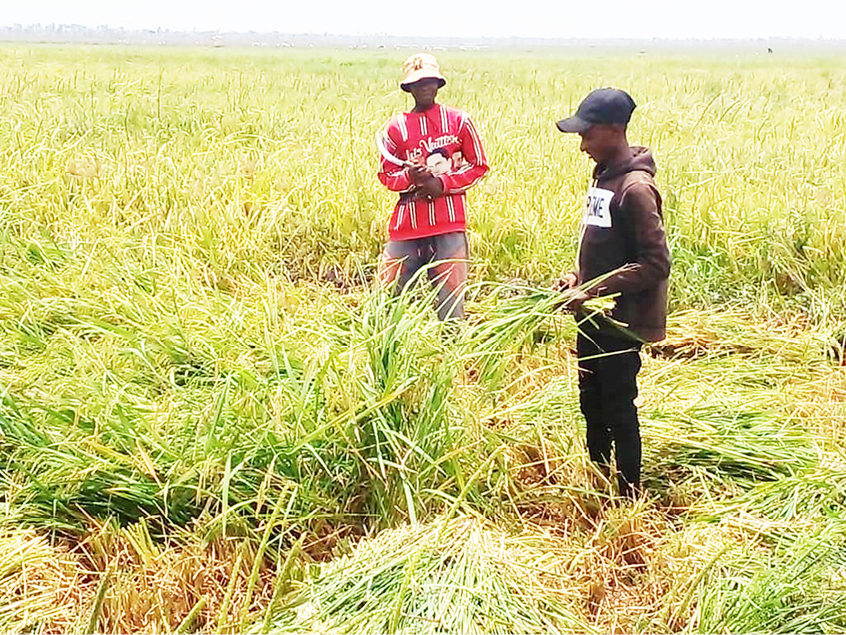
(604, 105)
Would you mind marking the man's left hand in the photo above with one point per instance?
(432, 187)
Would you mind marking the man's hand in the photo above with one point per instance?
(565, 282)
(432, 187)
(419, 174)
(425, 183)
(573, 301)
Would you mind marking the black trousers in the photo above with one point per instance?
(608, 368)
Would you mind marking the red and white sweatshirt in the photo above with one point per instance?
(445, 139)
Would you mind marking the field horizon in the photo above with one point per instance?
(76, 35)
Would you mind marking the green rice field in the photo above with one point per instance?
(212, 420)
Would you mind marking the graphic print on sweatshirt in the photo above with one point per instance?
(598, 207)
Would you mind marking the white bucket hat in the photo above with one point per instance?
(420, 66)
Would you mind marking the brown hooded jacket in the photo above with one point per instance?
(623, 229)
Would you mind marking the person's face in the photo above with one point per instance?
(599, 141)
(425, 91)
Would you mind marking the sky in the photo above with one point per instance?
(679, 19)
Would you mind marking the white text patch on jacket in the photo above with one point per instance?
(598, 207)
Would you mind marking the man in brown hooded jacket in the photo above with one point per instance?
(623, 244)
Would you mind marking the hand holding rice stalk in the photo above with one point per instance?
(526, 312)
(580, 301)
(595, 309)
(512, 323)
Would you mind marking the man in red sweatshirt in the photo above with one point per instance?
(431, 156)
(622, 239)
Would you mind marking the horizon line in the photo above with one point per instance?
(22, 28)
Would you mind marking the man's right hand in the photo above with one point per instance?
(418, 175)
(565, 282)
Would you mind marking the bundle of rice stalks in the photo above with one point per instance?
(716, 332)
(809, 497)
(364, 430)
(801, 589)
(184, 584)
(57, 476)
(32, 575)
(452, 575)
(394, 394)
(516, 322)
(721, 450)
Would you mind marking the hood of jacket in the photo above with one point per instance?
(640, 159)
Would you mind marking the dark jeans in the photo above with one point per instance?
(401, 259)
(608, 368)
